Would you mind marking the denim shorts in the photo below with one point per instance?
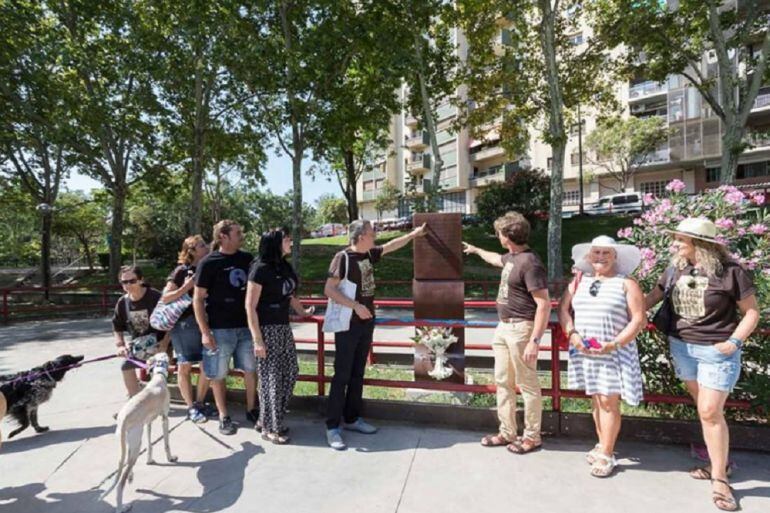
(236, 343)
(186, 339)
(705, 364)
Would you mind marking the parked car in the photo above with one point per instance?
(625, 203)
(329, 230)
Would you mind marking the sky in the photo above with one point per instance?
(277, 174)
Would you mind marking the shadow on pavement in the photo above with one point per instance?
(54, 437)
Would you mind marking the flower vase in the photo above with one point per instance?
(440, 371)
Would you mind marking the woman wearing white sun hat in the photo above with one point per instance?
(608, 310)
(706, 289)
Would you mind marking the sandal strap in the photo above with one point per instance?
(722, 481)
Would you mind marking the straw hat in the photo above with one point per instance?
(628, 255)
(697, 228)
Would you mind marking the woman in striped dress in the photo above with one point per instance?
(602, 311)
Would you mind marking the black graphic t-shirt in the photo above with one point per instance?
(705, 309)
(279, 283)
(136, 318)
(361, 273)
(224, 277)
(177, 277)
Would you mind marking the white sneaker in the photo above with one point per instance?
(361, 426)
(334, 439)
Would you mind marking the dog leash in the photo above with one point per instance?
(138, 363)
(47, 373)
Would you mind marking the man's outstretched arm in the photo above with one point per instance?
(489, 257)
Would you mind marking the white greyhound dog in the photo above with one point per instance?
(138, 412)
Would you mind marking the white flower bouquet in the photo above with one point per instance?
(437, 340)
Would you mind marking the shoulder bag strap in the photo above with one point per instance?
(347, 263)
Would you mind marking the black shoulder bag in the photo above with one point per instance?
(664, 317)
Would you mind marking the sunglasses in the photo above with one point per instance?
(693, 274)
(594, 288)
(129, 282)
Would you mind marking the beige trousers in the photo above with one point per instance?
(508, 345)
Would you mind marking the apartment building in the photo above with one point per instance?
(691, 153)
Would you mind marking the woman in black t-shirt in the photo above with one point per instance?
(270, 294)
(706, 290)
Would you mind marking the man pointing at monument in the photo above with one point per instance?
(351, 347)
(524, 308)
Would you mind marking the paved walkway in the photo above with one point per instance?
(405, 468)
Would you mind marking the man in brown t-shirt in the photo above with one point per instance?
(524, 308)
(351, 347)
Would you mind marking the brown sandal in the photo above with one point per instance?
(704, 472)
(276, 438)
(728, 502)
(524, 445)
(495, 440)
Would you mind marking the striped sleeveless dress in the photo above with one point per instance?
(602, 317)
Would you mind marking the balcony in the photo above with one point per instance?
(659, 156)
(418, 141)
(646, 90)
(758, 140)
(763, 99)
(502, 41)
(498, 173)
(369, 195)
(488, 153)
(410, 120)
(418, 164)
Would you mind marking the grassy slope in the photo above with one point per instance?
(317, 253)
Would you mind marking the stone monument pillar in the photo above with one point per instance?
(438, 288)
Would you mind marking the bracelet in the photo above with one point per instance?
(738, 343)
(571, 332)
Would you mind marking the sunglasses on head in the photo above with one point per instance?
(594, 288)
(693, 274)
(129, 281)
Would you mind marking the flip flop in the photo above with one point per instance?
(495, 440)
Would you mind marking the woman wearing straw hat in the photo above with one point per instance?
(608, 310)
(705, 290)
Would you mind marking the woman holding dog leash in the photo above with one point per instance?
(270, 294)
(132, 314)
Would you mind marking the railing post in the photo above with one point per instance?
(5, 306)
(556, 340)
(104, 300)
(485, 288)
(321, 359)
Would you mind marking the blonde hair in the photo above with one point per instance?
(187, 253)
(710, 257)
(514, 227)
(223, 227)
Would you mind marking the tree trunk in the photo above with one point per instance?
(350, 185)
(116, 231)
(557, 137)
(296, 214)
(732, 147)
(45, 253)
(87, 250)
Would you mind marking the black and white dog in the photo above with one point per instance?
(25, 391)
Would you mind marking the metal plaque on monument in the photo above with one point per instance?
(438, 290)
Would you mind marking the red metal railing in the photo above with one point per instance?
(107, 296)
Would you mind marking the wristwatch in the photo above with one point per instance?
(738, 343)
(536, 340)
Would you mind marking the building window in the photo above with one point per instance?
(369, 185)
(752, 170)
(657, 189)
(574, 158)
(712, 174)
(549, 163)
(576, 39)
(453, 202)
(571, 198)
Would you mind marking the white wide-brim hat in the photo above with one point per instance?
(628, 255)
(697, 228)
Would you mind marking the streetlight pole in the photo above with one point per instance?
(580, 160)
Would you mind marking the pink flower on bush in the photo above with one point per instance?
(741, 231)
(735, 197)
(676, 185)
(757, 198)
(720, 239)
(648, 198)
(758, 229)
(625, 233)
(725, 223)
